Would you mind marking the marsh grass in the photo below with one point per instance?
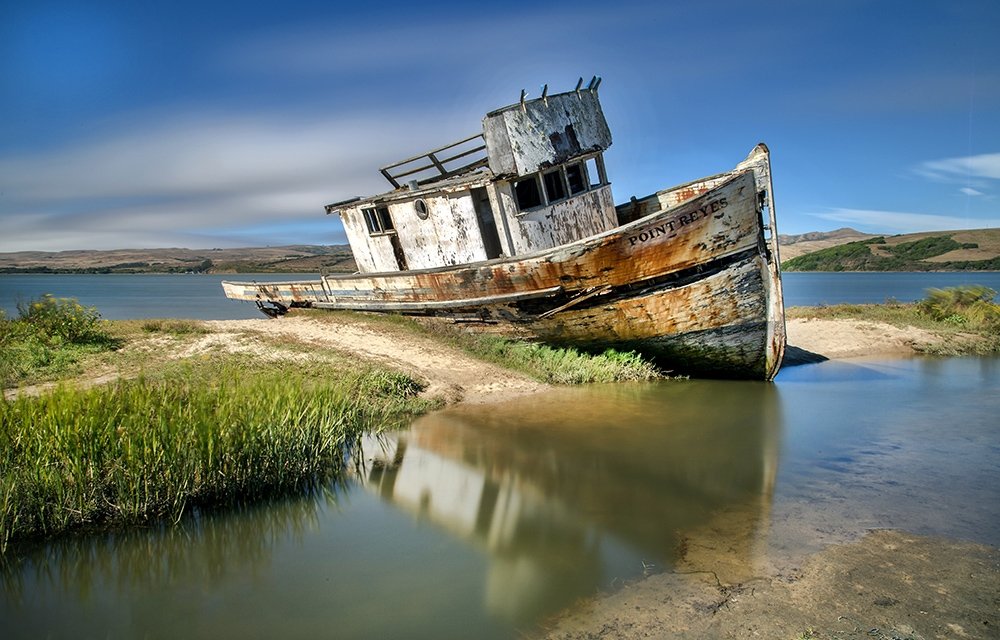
(542, 362)
(150, 449)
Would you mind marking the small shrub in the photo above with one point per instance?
(62, 319)
(967, 305)
(48, 337)
(956, 319)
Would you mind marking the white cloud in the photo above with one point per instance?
(188, 179)
(969, 191)
(985, 165)
(874, 221)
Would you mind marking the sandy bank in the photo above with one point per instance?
(813, 339)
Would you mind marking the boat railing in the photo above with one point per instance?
(439, 162)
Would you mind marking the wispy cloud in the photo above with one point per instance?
(985, 165)
(194, 178)
(977, 174)
(874, 221)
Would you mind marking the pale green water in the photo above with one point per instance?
(483, 521)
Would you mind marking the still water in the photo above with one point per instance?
(148, 295)
(483, 521)
(124, 296)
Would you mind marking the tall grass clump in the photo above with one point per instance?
(48, 337)
(968, 306)
(174, 327)
(145, 450)
(560, 365)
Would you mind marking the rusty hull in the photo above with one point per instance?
(694, 284)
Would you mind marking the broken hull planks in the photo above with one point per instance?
(695, 285)
(716, 325)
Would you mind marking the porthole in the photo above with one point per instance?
(421, 208)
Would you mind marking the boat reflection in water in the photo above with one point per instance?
(572, 491)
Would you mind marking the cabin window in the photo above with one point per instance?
(527, 193)
(575, 179)
(557, 184)
(421, 208)
(554, 188)
(378, 219)
(595, 172)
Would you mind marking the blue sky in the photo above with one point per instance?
(189, 124)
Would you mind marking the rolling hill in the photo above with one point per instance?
(964, 250)
(287, 259)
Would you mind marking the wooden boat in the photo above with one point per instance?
(527, 237)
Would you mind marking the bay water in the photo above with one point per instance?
(483, 521)
(199, 296)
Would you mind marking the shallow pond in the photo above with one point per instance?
(482, 521)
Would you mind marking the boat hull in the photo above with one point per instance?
(693, 282)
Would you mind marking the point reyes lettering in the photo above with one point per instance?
(669, 226)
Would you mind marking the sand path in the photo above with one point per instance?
(449, 372)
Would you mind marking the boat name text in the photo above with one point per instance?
(712, 208)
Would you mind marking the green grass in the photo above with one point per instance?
(558, 365)
(844, 257)
(150, 449)
(49, 338)
(174, 327)
(548, 364)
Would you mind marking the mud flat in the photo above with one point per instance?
(889, 584)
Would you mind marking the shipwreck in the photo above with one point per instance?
(515, 227)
